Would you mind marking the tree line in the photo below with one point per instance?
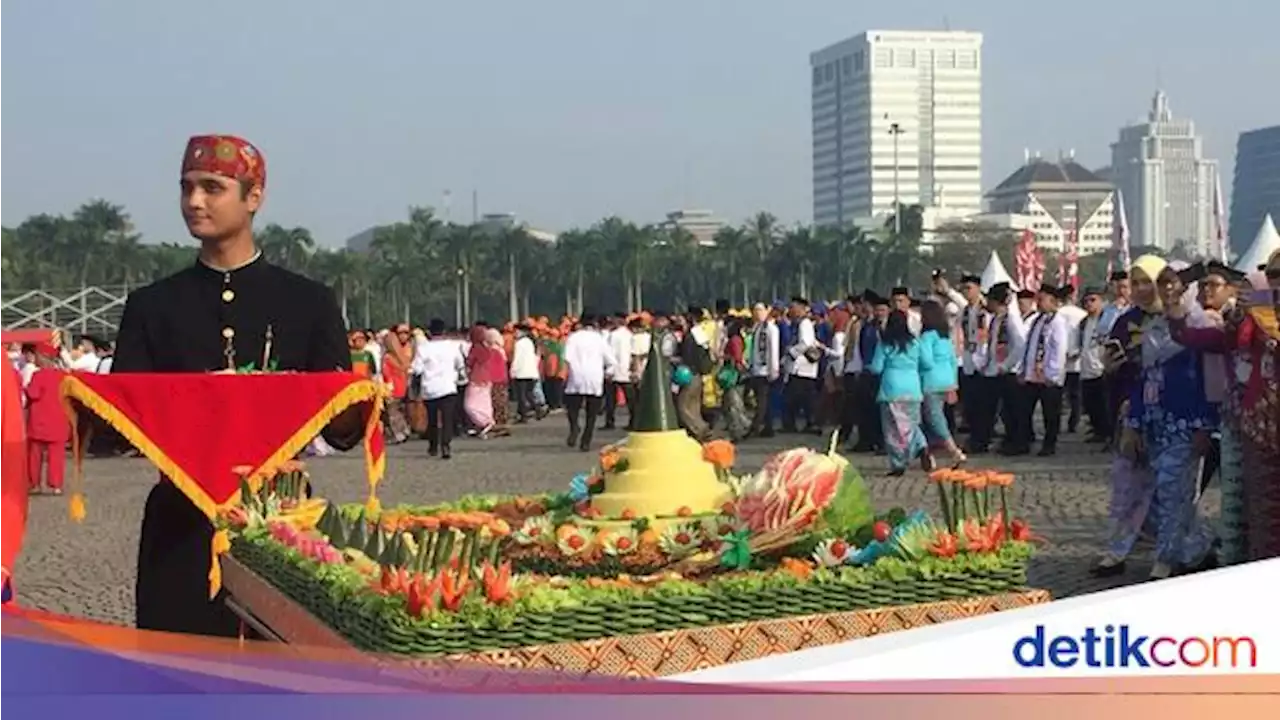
(422, 267)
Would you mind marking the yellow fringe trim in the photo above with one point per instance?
(353, 394)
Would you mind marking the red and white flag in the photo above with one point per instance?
(1069, 260)
(1028, 262)
(1119, 237)
(1219, 221)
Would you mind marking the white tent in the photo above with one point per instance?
(995, 273)
(1266, 242)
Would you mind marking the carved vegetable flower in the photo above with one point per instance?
(609, 459)
(833, 552)
(680, 540)
(719, 453)
(534, 531)
(718, 527)
(573, 539)
(497, 583)
(621, 542)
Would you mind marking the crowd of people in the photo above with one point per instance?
(1145, 362)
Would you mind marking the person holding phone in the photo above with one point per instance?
(1132, 483)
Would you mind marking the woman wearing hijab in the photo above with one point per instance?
(478, 400)
(500, 390)
(397, 356)
(1170, 421)
(1132, 483)
(899, 362)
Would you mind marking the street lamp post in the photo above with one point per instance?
(896, 130)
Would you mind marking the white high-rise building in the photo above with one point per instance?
(1169, 187)
(919, 89)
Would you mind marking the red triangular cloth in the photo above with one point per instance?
(196, 427)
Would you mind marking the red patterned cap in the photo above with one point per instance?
(225, 155)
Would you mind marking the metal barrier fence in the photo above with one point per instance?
(91, 310)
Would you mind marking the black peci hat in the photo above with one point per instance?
(900, 290)
(1119, 275)
(1230, 274)
(970, 279)
(1026, 294)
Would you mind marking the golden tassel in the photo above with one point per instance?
(221, 544)
(75, 507)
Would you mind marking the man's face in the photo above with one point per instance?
(358, 341)
(1046, 302)
(972, 292)
(1026, 305)
(796, 310)
(881, 314)
(214, 207)
(1122, 289)
(1215, 292)
(760, 313)
(901, 302)
(1093, 304)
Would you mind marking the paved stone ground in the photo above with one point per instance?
(88, 569)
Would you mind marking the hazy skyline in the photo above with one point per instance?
(561, 111)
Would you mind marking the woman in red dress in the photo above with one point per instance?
(48, 429)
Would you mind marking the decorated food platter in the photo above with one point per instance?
(790, 556)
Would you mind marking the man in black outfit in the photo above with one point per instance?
(213, 317)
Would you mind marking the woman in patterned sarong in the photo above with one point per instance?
(1132, 481)
(1170, 421)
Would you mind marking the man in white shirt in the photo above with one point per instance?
(525, 372)
(1074, 315)
(621, 344)
(1042, 375)
(901, 299)
(83, 356)
(589, 358)
(106, 353)
(971, 324)
(440, 361)
(806, 357)
(1121, 299)
(764, 368)
(1090, 340)
(641, 341)
(1005, 335)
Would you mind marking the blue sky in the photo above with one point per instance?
(561, 111)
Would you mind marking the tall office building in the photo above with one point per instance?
(919, 90)
(1168, 185)
(1255, 191)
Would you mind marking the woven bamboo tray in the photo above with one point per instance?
(630, 653)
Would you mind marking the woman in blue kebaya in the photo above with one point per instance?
(939, 383)
(899, 362)
(1170, 421)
